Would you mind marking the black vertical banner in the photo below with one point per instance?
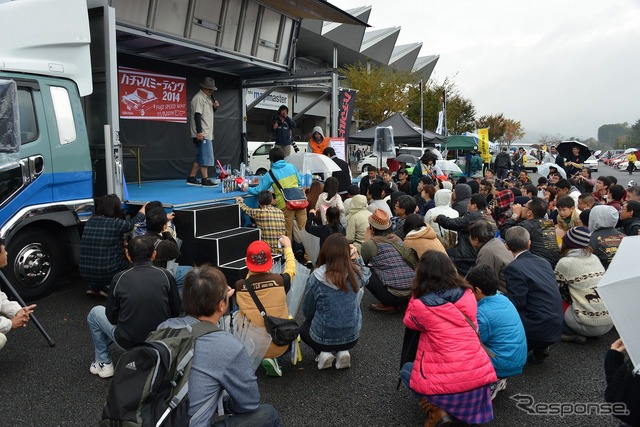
(346, 101)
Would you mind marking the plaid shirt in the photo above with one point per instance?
(270, 221)
(471, 407)
(101, 248)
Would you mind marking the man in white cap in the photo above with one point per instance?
(203, 106)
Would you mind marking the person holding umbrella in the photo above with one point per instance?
(573, 163)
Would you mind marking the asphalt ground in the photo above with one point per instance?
(51, 386)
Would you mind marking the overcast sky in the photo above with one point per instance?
(558, 66)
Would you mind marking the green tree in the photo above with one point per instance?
(381, 92)
(634, 135)
(460, 110)
(610, 134)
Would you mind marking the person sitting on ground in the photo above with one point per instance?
(566, 187)
(288, 177)
(221, 366)
(567, 215)
(141, 228)
(531, 216)
(578, 273)
(357, 220)
(403, 181)
(391, 273)
(387, 178)
(584, 181)
(404, 206)
(420, 202)
(605, 239)
(602, 188)
(102, 242)
(165, 245)
(427, 195)
(487, 190)
(332, 226)
(623, 385)
(343, 175)
(629, 222)
(271, 289)
(331, 305)
(615, 195)
(523, 178)
(461, 197)
(503, 201)
(12, 315)
(375, 196)
(532, 288)
(499, 326)
(633, 192)
(139, 299)
(586, 201)
(419, 236)
(464, 254)
(455, 383)
(313, 192)
(329, 198)
(491, 251)
(268, 218)
(353, 191)
(372, 176)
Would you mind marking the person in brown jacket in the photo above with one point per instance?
(271, 289)
(420, 236)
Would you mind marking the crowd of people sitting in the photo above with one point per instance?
(495, 271)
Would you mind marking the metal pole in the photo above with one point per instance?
(421, 119)
(11, 289)
(334, 93)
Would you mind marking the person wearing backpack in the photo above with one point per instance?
(220, 363)
(139, 299)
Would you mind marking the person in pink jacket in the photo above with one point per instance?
(451, 373)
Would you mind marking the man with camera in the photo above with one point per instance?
(282, 125)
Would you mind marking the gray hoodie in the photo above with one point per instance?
(463, 194)
(605, 239)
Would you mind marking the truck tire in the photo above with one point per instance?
(34, 263)
(365, 167)
(261, 171)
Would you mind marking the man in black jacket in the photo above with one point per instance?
(343, 176)
(534, 292)
(531, 216)
(502, 164)
(139, 299)
(464, 254)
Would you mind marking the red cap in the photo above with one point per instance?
(259, 257)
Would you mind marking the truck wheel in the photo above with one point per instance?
(534, 170)
(365, 167)
(34, 263)
(261, 171)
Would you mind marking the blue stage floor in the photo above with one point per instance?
(177, 194)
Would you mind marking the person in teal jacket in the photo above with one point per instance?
(500, 327)
(289, 177)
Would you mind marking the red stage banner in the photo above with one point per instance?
(150, 96)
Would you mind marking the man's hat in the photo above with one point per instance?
(380, 220)
(208, 83)
(259, 258)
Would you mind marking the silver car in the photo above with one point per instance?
(592, 164)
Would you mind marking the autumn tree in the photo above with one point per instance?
(501, 130)
(512, 132)
(460, 110)
(382, 92)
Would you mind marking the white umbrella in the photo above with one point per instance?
(543, 169)
(312, 162)
(630, 150)
(448, 166)
(620, 292)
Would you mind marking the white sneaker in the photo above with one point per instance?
(499, 385)
(104, 370)
(325, 360)
(343, 360)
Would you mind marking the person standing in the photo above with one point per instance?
(343, 176)
(502, 164)
(203, 106)
(631, 158)
(282, 125)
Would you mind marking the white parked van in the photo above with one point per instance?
(259, 160)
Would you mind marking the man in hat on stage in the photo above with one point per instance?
(203, 106)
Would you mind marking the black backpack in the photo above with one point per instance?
(151, 380)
